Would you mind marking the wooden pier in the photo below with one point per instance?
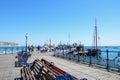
(8, 71)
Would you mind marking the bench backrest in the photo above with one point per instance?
(60, 71)
(57, 71)
(39, 71)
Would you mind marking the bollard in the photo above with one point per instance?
(107, 66)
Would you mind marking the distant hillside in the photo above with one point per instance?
(2, 43)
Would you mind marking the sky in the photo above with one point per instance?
(60, 20)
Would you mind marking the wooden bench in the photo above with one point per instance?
(22, 57)
(35, 72)
(41, 70)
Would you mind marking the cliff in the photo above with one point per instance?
(2, 43)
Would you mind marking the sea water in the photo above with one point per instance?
(113, 50)
(10, 49)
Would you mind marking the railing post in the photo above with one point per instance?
(63, 52)
(90, 53)
(107, 66)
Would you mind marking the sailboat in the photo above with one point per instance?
(95, 50)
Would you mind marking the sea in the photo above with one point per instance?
(112, 50)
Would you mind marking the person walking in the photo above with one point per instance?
(32, 48)
(38, 48)
(29, 48)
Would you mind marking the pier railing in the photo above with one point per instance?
(15, 49)
(103, 60)
(11, 50)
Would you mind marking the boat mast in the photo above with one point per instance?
(95, 33)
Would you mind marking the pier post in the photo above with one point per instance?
(107, 66)
(90, 52)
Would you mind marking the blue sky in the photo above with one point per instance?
(56, 19)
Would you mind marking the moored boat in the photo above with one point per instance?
(95, 50)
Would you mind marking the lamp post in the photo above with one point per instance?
(26, 37)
